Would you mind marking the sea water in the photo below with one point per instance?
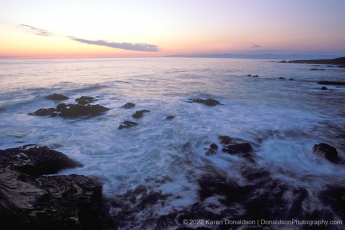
(166, 159)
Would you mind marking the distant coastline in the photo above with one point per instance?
(258, 56)
(334, 61)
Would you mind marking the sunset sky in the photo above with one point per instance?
(110, 28)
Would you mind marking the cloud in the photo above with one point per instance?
(35, 30)
(255, 46)
(117, 45)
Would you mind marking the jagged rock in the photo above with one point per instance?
(249, 75)
(326, 151)
(331, 83)
(35, 160)
(139, 114)
(236, 146)
(324, 88)
(83, 100)
(72, 110)
(128, 105)
(169, 117)
(282, 78)
(56, 96)
(127, 124)
(208, 102)
(45, 202)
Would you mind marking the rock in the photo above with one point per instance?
(83, 100)
(291, 79)
(314, 69)
(139, 114)
(331, 83)
(46, 202)
(249, 75)
(284, 61)
(326, 151)
(34, 160)
(256, 76)
(72, 110)
(45, 112)
(56, 96)
(128, 105)
(324, 88)
(208, 102)
(281, 78)
(236, 146)
(169, 117)
(214, 146)
(127, 124)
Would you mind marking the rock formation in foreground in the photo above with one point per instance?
(29, 200)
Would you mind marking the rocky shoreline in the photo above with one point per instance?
(31, 199)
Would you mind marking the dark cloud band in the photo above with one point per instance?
(124, 45)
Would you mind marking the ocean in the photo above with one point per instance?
(161, 174)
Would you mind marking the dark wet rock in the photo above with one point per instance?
(45, 202)
(208, 102)
(56, 96)
(35, 160)
(140, 113)
(282, 78)
(249, 75)
(213, 146)
(127, 124)
(341, 66)
(45, 112)
(128, 105)
(291, 79)
(169, 117)
(326, 151)
(283, 61)
(335, 61)
(83, 100)
(75, 110)
(333, 197)
(256, 76)
(237, 146)
(331, 83)
(324, 88)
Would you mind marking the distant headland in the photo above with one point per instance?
(335, 61)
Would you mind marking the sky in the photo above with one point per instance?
(150, 28)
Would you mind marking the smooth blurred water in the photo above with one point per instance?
(282, 119)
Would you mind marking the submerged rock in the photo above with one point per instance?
(83, 100)
(249, 75)
(127, 124)
(140, 113)
(282, 78)
(45, 202)
(256, 76)
(45, 112)
(128, 105)
(169, 117)
(326, 151)
(331, 83)
(291, 79)
(56, 96)
(324, 88)
(208, 102)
